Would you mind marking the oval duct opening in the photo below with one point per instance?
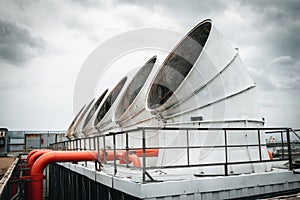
(135, 86)
(94, 108)
(109, 101)
(78, 123)
(177, 65)
(68, 133)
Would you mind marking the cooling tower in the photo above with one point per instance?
(130, 112)
(77, 130)
(204, 83)
(87, 126)
(103, 119)
(71, 127)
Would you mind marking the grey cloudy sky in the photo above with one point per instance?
(44, 43)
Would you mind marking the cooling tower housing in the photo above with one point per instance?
(202, 83)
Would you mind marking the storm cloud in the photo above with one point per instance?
(17, 45)
(44, 43)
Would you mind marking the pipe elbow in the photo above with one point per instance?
(63, 156)
(135, 160)
(36, 155)
(31, 153)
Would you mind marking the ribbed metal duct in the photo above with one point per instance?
(89, 120)
(130, 111)
(71, 127)
(77, 131)
(103, 118)
(203, 83)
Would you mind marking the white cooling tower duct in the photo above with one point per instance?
(71, 127)
(77, 131)
(130, 112)
(87, 126)
(103, 118)
(203, 83)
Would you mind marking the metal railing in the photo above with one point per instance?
(116, 141)
(285, 147)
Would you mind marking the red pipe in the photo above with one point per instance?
(55, 156)
(148, 152)
(40, 159)
(30, 153)
(36, 155)
(132, 158)
(32, 158)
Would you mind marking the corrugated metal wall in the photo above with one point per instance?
(68, 185)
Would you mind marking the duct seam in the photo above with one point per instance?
(201, 87)
(208, 104)
(216, 121)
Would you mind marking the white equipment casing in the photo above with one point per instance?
(105, 122)
(202, 83)
(77, 131)
(72, 125)
(215, 92)
(88, 125)
(130, 112)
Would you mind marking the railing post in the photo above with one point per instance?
(98, 143)
(127, 150)
(226, 153)
(259, 144)
(115, 154)
(96, 148)
(188, 146)
(289, 149)
(104, 149)
(144, 153)
(282, 145)
(85, 148)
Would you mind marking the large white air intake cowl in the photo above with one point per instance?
(78, 125)
(72, 125)
(203, 72)
(203, 83)
(88, 123)
(104, 116)
(130, 112)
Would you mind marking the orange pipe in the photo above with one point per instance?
(30, 153)
(55, 156)
(270, 155)
(31, 158)
(110, 155)
(36, 155)
(132, 158)
(148, 153)
(40, 159)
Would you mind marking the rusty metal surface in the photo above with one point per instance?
(33, 141)
(42, 139)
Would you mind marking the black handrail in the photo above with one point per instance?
(97, 139)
